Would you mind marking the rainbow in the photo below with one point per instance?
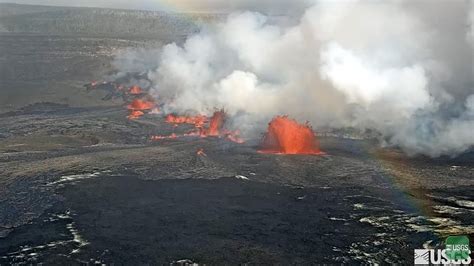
(175, 6)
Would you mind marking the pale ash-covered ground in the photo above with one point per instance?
(81, 183)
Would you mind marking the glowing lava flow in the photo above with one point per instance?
(135, 90)
(134, 114)
(140, 105)
(286, 136)
(197, 121)
(201, 152)
(214, 129)
(137, 107)
(234, 136)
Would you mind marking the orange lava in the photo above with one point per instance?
(215, 125)
(135, 90)
(140, 105)
(137, 107)
(286, 136)
(197, 121)
(234, 136)
(201, 152)
(134, 114)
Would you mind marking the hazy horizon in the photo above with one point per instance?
(265, 6)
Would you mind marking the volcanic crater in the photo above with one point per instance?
(95, 176)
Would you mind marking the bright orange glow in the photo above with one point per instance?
(233, 136)
(134, 114)
(197, 121)
(215, 127)
(140, 105)
(135, 90)
(286, 136)
(201, 152)
(216, 123)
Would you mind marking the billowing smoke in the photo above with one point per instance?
(401, 68)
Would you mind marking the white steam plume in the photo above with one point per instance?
(382, 65)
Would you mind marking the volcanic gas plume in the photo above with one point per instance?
(381, 66)
(286, 136)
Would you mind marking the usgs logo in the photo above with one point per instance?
(457, 251)
(438, 256)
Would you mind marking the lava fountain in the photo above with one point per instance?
(216, 123)
(286, 136)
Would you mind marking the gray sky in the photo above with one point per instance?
(179, 5)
